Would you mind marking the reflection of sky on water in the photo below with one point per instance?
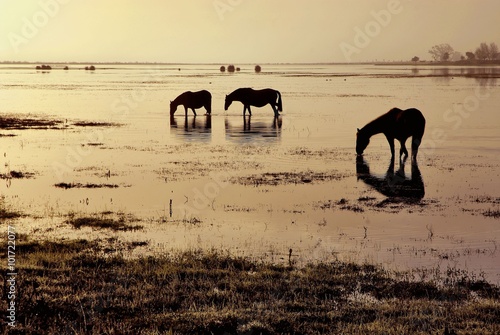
(484, 76)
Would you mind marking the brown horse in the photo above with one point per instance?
(192, 100)
(395, 124)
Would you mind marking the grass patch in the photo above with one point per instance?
(492, 213)
(6, 214)
(366, 203)
(93, 144)
(342, 204)
(16, 175)
(95, 124)
(362, 199)
(106, 220)
(17, 123)
(75, 287)
(22, 123)
(88, 185)
(284, 178)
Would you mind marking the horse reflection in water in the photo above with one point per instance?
(191, 128)
(253, 130)
(394, 185)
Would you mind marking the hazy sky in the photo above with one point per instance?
(237, 31)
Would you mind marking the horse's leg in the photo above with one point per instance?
(391, 144)
(185, 111)
(194, 112)
(403, 149)
(275, 110)
(249, 111)
(415, 143)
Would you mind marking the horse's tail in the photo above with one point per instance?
(280, 105)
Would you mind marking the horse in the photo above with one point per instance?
(258, 98)
(395, 124)
(192, 100)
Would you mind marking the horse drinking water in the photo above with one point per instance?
(395, 124)
(258, 98)
(192, 100)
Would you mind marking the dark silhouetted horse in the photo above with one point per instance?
(258, 98)
(192, 100)
(395, 124)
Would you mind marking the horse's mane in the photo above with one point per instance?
(379, 121)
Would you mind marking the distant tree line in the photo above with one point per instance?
(485, 52)
(444, 52)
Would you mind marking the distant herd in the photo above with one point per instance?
(395, 124)
(247, 96)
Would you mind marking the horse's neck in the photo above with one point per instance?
(377, 126)
(177, 101)
(233, 97)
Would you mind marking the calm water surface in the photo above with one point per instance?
(260, 186)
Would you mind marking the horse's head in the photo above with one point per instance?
(227, 103)
(173, 108)
(362, 142)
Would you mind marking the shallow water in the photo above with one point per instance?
(260, 186)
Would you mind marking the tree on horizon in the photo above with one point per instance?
(482, 52)
(487, 52)
(441, 52)
(470, 55)
(494, 51)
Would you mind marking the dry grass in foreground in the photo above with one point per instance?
(75, 287)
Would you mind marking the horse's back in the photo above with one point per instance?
(205, 93)
(244, 90)
(197, 93)
(251, 91)
(195, 99)
(411, 120)
(414, 116)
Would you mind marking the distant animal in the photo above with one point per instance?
(395, 124)
(258, 98)
(192, 100)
